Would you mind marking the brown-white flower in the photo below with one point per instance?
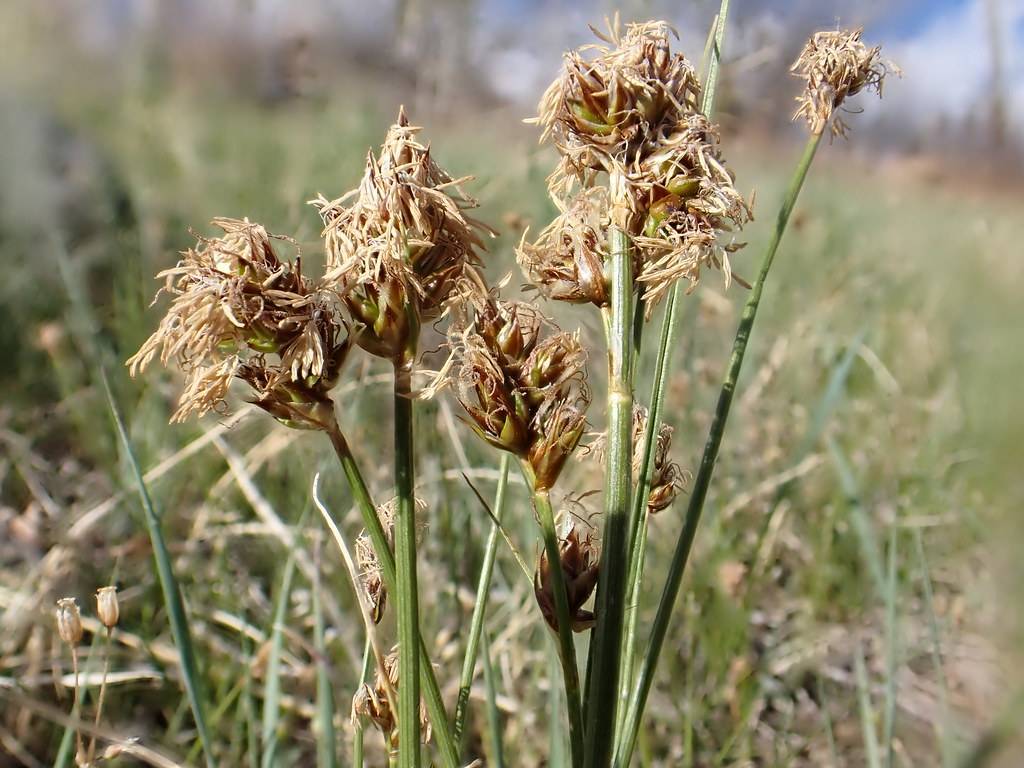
(612, 102)
(239, 311)
(836, 65)
(400, 245)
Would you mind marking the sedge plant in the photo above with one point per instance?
(647, 204)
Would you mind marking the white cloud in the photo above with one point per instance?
(948, 65)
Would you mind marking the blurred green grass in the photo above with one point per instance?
(99, 190)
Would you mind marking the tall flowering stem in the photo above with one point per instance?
(834, 66)
(379, 538)
(638, 519)
(603, 665)
(563, 620)
(406, 582)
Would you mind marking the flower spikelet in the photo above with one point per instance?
(399, 245)
(836, 65)
(566, 262)
(614, 100)
(376, 702)
(690, 203)
(524, 391)
(240, 311)
(580, 559)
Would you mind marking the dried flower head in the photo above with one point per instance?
(685, 195)
(371, 576)
(666, 476)
(239, 311)
(566, 262)
(376, 702)
(835, 65)
(609, 110)
(397, 251)
(580, 558)
(69, 621)
(524, 393)
(107, 607)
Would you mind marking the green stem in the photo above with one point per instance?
(603, 677)
(379, 538)
(566, 647)
(480, 607)
(707, 465)
(405, 561)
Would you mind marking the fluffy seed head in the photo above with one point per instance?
(399, 245)
(69, 621)
(107, 607)
(239, 311)
(608, 109)
(835, 65)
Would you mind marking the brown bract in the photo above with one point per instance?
(835, 65)
(398, 246)
(239, 311)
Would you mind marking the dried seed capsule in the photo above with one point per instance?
(580, 562)
(107, 607)
(69, 621)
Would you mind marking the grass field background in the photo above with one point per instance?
(857, 574)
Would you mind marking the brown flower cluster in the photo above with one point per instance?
(666, 476)
(525, 392)
(240, 311)
(377, 702)
(580, 559)
(397, 251)
(610, 110)
(835, 65)
(631, 113)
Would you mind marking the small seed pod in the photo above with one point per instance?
(69, 621)
(107, 607)
(580, 559)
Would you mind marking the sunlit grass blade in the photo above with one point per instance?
(480, 605)
(272, 686)
(891, 647)
(326, 739)
(171, 591)
(493, 716)
(859, 519)
(943, 726)
(820, 418)
(867, 711)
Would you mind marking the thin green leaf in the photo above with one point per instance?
(169, 585)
